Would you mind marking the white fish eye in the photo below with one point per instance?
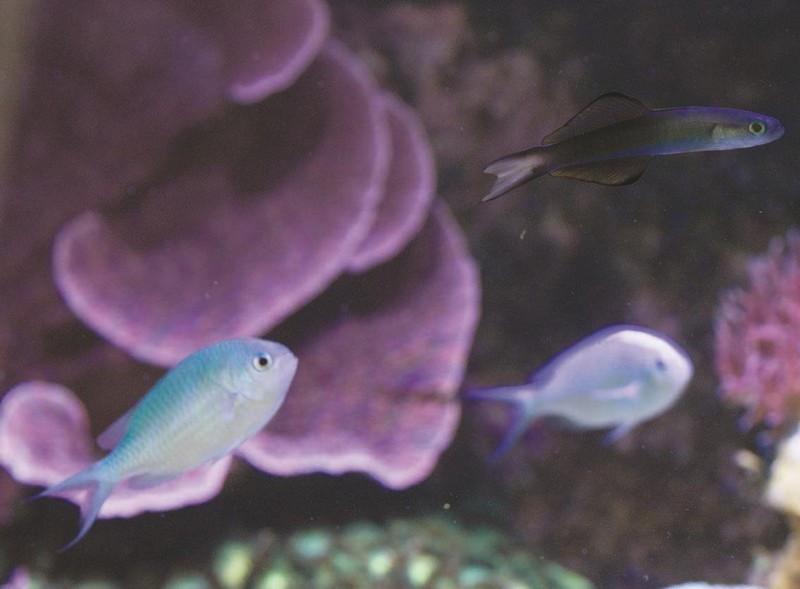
(262, 361)
(661, 366)
(757, 127)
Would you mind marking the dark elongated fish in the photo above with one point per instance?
(612, 140)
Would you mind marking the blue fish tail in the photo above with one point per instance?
(520, 398)
(516, 169)
(98, 486)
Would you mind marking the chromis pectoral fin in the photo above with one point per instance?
(612, 140)
(198, 412)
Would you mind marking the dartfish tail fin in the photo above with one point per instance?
(516, 169)
(97, 489)
(523, 412)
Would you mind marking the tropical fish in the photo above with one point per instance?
(615, 378)
(198, 412)
(612, 140)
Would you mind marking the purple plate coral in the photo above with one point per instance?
(196, 175)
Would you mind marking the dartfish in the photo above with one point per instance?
(198, 412)
(612, 140)
(615, 378)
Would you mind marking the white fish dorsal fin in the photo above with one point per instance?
(610, 172)
(606, 110)
(109, 439)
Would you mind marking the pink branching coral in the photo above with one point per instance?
(757, 347)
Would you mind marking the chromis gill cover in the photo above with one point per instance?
(198, 412)
(612, 140)
(616, 378)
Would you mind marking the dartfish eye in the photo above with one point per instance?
(757, 127)
(661, 366)
(262, 361)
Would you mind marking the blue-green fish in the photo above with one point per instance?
(615, 378)
(612, 140)
(198, 412)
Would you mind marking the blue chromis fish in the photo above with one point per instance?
(612, 140)
(198, 412)
(615, 378)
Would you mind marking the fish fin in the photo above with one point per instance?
(111, 436)
(520, 398)
(516, 395)
(516, 169)
(614, 172)
(228, 402)
(603, 111)
(618, 433)
(519, 425)
(97, 486)
(626, 392)
(146, 481)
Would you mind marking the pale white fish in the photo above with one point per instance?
(198, 412)
(616, 378)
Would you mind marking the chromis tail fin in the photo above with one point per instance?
(97, 488)
(518, 396)
(516, 169)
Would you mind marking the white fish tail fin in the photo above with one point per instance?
(524, 412)
(97, 488)
(516, 169)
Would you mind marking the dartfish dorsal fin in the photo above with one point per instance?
(606, 110)
(109, 439)
(610, 172)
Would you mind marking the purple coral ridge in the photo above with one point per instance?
(199, 175)
(119, 274)
(409, 189)
(758, 336)
(394, 409)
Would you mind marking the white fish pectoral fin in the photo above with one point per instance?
(111, 436)
(628, 392)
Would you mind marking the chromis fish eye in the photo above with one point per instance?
(757, 127)
(262, 361)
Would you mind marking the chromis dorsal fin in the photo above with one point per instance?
(111, 436)
(610, 172)
(606, 110)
